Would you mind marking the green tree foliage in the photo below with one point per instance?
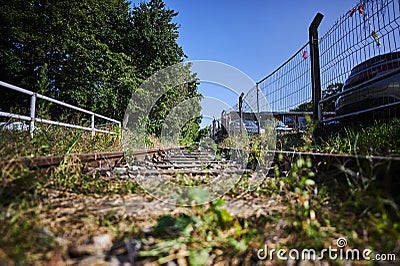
(331, 90)
(329, 106)
(154, 38)
(90, 53)
(154, 48)
(304, 107)
(80, 44)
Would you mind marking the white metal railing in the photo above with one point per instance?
(32, 114)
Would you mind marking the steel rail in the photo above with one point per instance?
(338, 156)
(95, 159)
(112, 157)
(56, 160)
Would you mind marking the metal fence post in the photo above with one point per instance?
(92, 126)
(32, 114)
(241, 111)
(258, 110)
(315, 66)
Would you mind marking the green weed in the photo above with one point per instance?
(209, 230)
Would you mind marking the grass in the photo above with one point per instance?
(309, 206)
(22, 197)
(309, 213)
(22, 191)
(53, 140)
(208, 230)
(358, 201)
(376, 138)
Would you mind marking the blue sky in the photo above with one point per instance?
(253, 36)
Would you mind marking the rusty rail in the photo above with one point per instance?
(111, 158)
(92, 159)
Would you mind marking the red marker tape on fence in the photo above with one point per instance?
(361, 9)
(351, 12)
(305, 54)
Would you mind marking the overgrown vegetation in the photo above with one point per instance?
(95, 54)
(375, 138)
(378, 138)
(27, 195)
(307, 206)
(54, 140)
(207, 230)
(340, 200)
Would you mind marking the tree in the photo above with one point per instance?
(90, 53)
(328, 106)
(155, 47)
(154, 38)
(331, 90)
(304, 107)
(80, 45)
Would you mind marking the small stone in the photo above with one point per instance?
(102, 242)
(114, 261)
(282, 224)
(120, 170)
(147, 230)
(290, 262)
(170, 263)
(46, 232)
(62, 243)
(133, 168)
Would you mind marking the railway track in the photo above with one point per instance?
(162, 172)
(97, 159)
(174, 176)
(177, 166)
(170, 160)
(182, 167)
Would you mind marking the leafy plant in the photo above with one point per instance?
(208, 228)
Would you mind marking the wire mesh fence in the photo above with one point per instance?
(283, 98)
(359, 71)
(361, 48)
(288, 88)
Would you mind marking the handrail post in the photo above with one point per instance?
(119, 131)
(92, 126)
(32, 114)
(315, 66)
